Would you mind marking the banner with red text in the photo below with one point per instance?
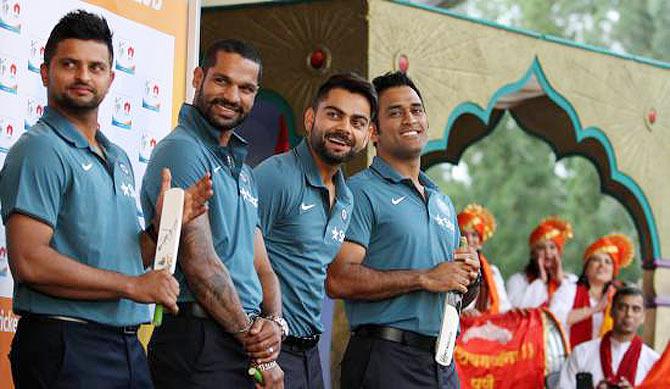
(501, 351)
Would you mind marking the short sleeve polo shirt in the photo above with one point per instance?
(190, 151)
(302, 232)
(53, 175)
(400, 230)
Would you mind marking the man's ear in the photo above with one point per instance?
(44, 74)
(198, 76)
(308, 119)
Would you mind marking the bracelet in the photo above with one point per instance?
(266, 366)
(246, 328)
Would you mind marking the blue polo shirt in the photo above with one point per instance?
(53, 175)
(400, 230)
(302, 232)
(190, 151)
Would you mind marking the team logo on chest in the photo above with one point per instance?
(128, 190)
(337, 234)
(248, 197)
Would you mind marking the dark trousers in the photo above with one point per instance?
(372, 363)
(50, 353)
(190, 352)
(302, 368)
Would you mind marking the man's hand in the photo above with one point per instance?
(624, 384)
(195, 197)
(470, 258)
(155, 286)
(447, 276)
(272, 378)
(263, 341)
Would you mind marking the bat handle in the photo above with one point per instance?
(256, 375)
(158, 315)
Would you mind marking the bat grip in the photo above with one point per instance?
(256, 375)
(158, 315)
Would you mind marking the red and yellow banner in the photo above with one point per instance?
(501, 351)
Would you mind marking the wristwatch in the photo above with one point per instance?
(283, 325)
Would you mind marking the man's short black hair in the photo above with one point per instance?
(243, 49)
(352, 83)
(392, 80)
(82, 25)
(627, 290)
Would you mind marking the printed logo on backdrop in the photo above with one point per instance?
(34, 111)
(8, 69)
(4, 267)
(125, 56)
(10, 132)
(152, 95)
(122, 114)
(10, 15)
(36, 55)
(147, 144)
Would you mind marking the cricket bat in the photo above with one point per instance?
(446, 340)
(167, 244)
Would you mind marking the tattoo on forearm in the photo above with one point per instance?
(208, 278)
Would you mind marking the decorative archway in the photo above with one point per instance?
(551, 117)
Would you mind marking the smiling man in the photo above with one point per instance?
(229, 293)
(399, 256)
(305, 209)
(76, 249)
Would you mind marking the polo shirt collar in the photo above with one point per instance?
(386, 171)
(312, 175)
(64, 128)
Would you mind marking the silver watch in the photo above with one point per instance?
(283, 325)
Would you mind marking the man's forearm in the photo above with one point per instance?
(358, 282)
(271, 305)
(208, 278)
(148, 249)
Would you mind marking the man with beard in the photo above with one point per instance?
(305, 208)
(229, 293)
(619, 359)
(400, 255)
(75, 245)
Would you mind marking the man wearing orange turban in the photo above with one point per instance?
(583, 307)
(544, 273)
(477, 225)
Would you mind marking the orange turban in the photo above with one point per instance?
(551, 228)
(477, 218)
(618, 246)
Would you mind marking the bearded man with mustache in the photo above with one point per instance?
(229, 293)
(305, 207)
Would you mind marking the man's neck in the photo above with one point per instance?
(407, 168)
(326, 171)
(224, 138)
(622, 337)
(85, 122)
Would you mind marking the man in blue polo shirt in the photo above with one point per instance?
(305, 209)
(399, 256)
(229, 305)
(75, 248)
